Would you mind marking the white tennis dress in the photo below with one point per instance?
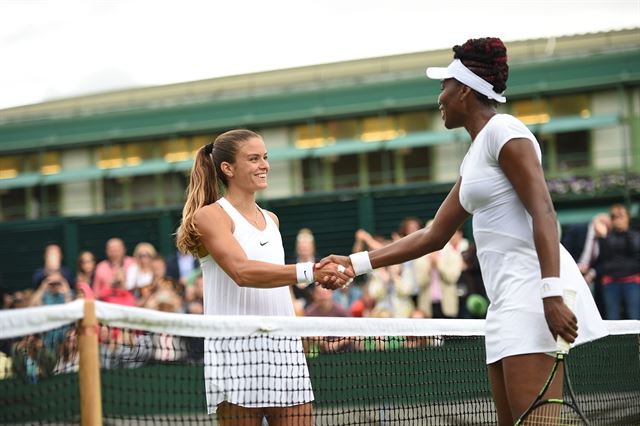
(260, 371)
(503, 232)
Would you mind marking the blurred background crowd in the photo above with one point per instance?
(444, 284)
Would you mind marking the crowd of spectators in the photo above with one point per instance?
(146, 280)
(437, 285)
(607, 251)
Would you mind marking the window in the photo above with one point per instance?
(572, 150)
(380, 166)
(110, 156)
(345, 171)
(174, 186)
(9, 166)
(176, 149)
(378, 129)
(50, 163)
(413, 122)
(143, 191)
(531, 111)
(115, 194)
(312, 175)
(46, 201)
(13, 203)
(342, 129)
(311, 136)
(137, 152)
(570, 105)
(417, 164)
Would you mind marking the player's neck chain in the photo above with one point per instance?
(255, 218)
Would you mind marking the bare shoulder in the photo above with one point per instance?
(211, 215)
(274, 217)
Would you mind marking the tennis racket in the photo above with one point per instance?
(552, 411)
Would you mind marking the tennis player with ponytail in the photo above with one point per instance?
(524, 267)
(242, 259)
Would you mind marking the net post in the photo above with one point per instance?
(90, 397)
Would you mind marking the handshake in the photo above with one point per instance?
(334, 272)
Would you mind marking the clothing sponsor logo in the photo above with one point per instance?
(262, 244)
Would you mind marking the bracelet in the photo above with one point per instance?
(551, 287)
(304, 272)
(361, 262)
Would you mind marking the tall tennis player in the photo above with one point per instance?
(524, 267)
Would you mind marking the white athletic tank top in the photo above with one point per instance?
(222, 296)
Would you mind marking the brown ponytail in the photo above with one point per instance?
(207, 182)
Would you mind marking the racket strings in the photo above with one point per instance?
(554, 414)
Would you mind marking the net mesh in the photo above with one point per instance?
(161, 369)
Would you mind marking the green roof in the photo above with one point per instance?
(589, 72)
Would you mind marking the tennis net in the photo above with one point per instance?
(155, 368)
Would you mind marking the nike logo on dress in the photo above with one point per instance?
(261, 243)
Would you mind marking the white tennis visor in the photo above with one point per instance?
(464, 75)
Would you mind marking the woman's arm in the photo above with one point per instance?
(448, 219)
(520, 164)
(216, 235)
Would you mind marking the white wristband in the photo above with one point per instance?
(361, 262)
(304, 272)
(551, 287)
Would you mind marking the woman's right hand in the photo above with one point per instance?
(334, 272)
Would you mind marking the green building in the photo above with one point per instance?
(351, 144)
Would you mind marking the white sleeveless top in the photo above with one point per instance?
(503, 233)
(260, 370)
(222, 296)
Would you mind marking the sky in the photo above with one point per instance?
(63, 48)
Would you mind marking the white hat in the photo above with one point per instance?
(464, 75)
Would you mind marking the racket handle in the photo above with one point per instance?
(569, 297)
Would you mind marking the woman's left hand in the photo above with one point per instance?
(560, 319)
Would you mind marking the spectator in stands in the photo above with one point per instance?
(86, 268)
(164, 299)
(54, 289)
(5, 365)
(140, 273)
(323, 305)
(362, 306)
(305, 252)
(437, 274)
(68, 355)
(470, 279)
(619, 264)
(20, 299)
(109, 283)
(194, 295)
(582, 242)
(180, 267)
(420, 341)
(122, 348)
(159, 282)
(409, 225)
(5, 296)
(52, 263)
(391, 291)
(31, 360)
